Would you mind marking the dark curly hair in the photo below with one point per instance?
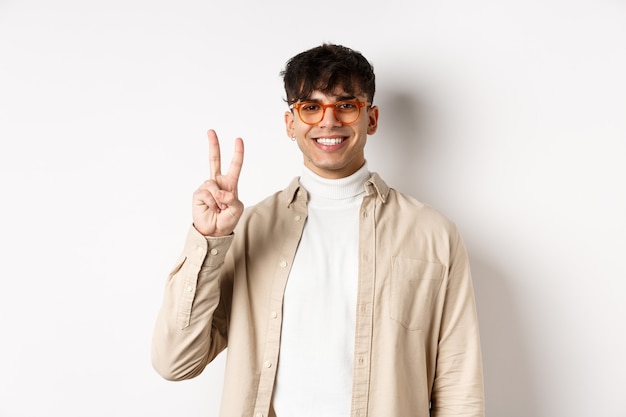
(326, 68)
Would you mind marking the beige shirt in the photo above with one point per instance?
(417, 349)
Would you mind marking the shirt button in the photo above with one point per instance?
(268, 364)
(214, 251)
(189, 288)
(274, 314)
(283, 264)
(297, 218)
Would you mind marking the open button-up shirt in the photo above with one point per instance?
(417, 349)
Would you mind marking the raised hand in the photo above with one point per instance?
(216, 206)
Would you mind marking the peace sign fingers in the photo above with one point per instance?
(216, 204)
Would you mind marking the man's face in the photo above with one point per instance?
(330, 148)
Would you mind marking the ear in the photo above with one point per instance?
(289, 124)
(373, 120)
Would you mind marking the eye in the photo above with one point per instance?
(346, 105)
(310, 107)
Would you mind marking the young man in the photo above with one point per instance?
(337, 296)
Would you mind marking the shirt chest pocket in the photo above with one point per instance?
(414, 286)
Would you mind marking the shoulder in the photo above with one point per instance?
(405, 208)
(412, 229)
(412, 209)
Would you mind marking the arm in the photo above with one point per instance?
(191, 328)
(192, 325)
(458, 386)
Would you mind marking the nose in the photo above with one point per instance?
(329, 119)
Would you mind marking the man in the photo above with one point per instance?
(337, 296)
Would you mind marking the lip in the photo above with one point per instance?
(330, 142)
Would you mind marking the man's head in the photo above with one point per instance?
(327, 68)
(330, 90)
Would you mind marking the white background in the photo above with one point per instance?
(507, 116)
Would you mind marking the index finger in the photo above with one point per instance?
(215, 159)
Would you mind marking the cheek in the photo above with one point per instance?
(362, 130)
(301, 129)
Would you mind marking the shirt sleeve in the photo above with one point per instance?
(191, 327)
(458, 386)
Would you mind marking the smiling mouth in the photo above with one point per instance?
(329, 141)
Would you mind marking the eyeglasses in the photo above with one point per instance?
(346, 111)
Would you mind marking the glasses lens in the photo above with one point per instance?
(311, 112)
(347, 111)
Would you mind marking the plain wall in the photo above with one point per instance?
(507, 116)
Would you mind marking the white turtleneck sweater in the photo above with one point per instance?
(317, 340)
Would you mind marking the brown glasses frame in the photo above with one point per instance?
(359, 104)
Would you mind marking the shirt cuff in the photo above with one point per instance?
(206, 251)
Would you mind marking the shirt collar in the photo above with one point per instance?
(295, 191)
(376, 184)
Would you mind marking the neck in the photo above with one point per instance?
(343, 189)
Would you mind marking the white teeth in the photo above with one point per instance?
(329, 141)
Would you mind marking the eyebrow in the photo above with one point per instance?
(338, 98)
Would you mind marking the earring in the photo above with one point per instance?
(293, 138)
